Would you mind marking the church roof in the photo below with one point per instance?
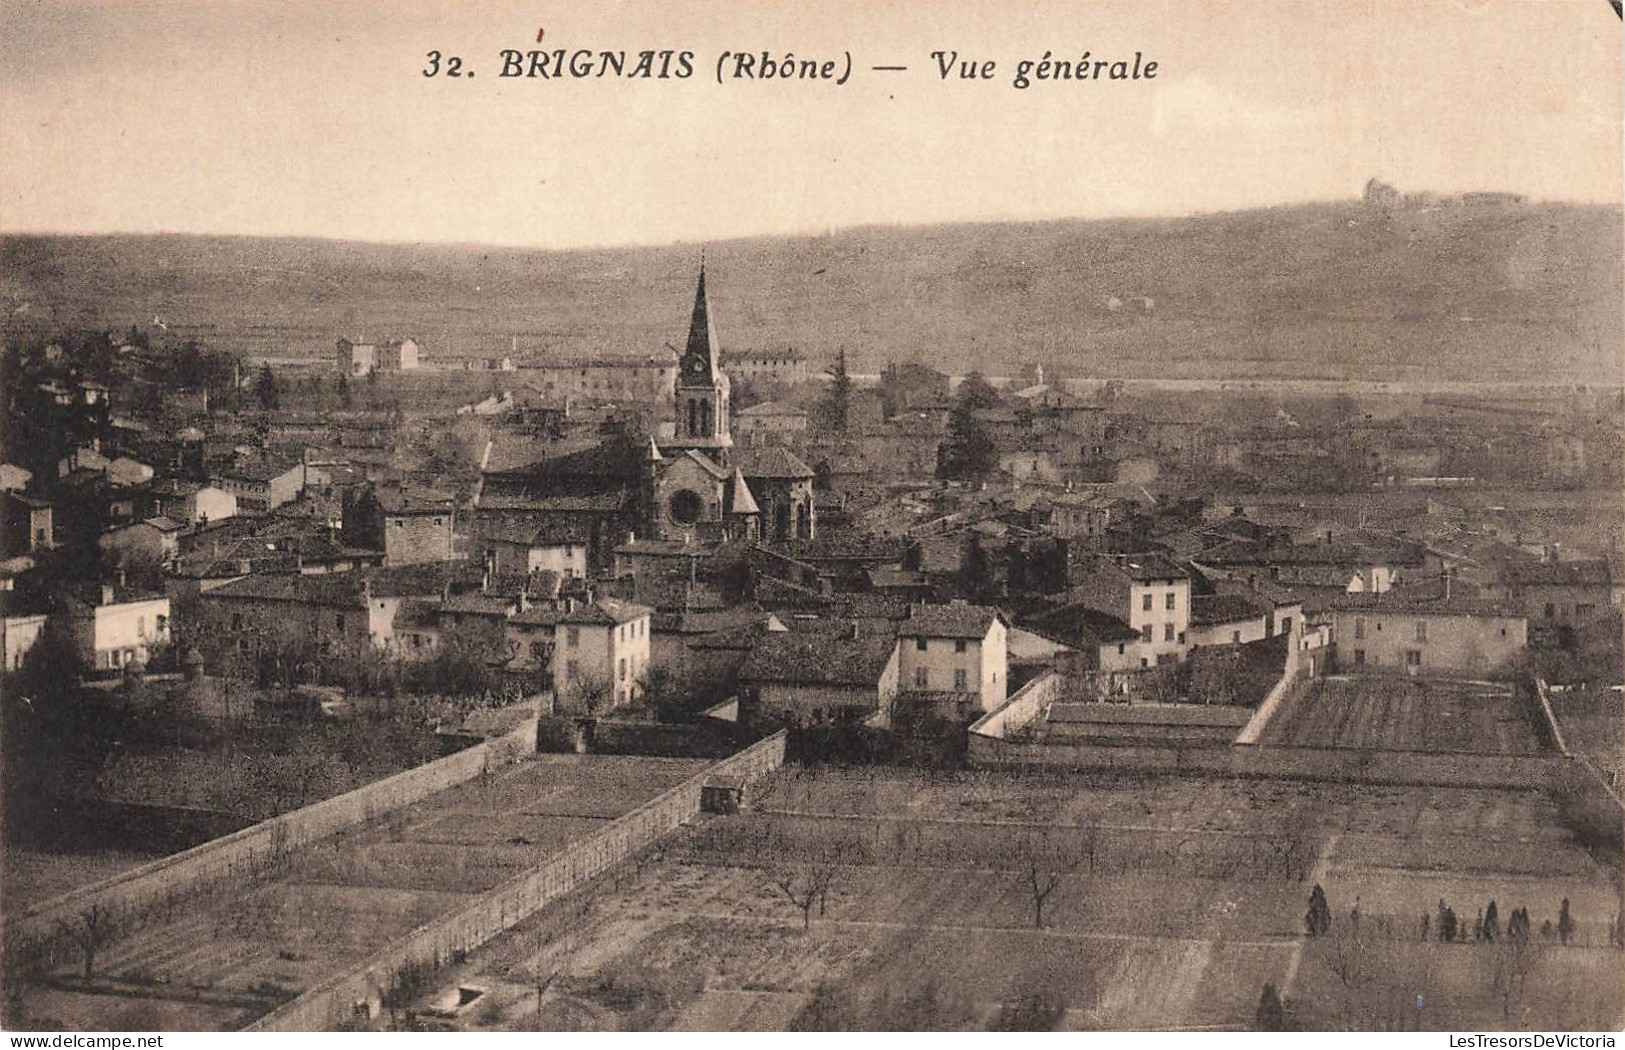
(702, 336)
(740, 501)
(770, 461)
(705, 461)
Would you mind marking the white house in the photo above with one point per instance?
(957, 648)
(116, 632)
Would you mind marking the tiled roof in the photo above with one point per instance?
(1590, 573)
(770, 461)
(601, 502)
(1434, 605)
(343, 590)
(1209, 610)
(477, 605)
(1147, 568)
(948, 621)
(411, 581)
(796, 658)
(604, 611)
(414, 501)
(1080, 623)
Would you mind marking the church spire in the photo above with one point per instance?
(702, 337)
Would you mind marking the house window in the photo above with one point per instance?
(140, 626)
(959, 646)
(922, 678)
(621, 669)
(1413, 658)
(1120, 648)
(338, 620)
(1145, 602)
(439, 521)
(572, 670)
(1167, 632)
(1584, 609)
(1235, 637)
(1169, 601)
(1421, 630)
(920, 643)
(1359, 656)
(1145, 633)
(1144, 662)
(959, 679)
(1286, 625)
(572, 636)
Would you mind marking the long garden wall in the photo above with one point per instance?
(1353, 765)
(334, 1002)
(36, 936)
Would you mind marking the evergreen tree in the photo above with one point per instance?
(1270, 1017)
(1518, 926)
(266, 389)
(1565, 922)
(968, 453)
(1492, 923)
(1319, 918)
(839, 405)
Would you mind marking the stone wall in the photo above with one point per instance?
(35, 936)
(335, 1002)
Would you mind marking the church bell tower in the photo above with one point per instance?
(702, 387)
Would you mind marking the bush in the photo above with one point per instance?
(1587, 810)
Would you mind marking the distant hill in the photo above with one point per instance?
(1494, 292)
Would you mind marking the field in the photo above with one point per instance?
(1403, 714)
(239, 954)
(1177, 899)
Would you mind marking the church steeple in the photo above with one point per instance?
(702, 391)
(701, 363)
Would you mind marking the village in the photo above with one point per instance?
(1257, 647)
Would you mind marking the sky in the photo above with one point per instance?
(309, 118)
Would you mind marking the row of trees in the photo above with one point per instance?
(1386, 980)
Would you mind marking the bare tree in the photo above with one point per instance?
(1508, 962)
(1044, 860)
(808, 882)
(90, 932)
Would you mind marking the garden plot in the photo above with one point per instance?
(1403, 714)
(338, 901)
(1192, 898)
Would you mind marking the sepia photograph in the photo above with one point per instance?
(879, 516)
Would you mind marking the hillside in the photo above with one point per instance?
(1319, 291)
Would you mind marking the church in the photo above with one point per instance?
(687, 483)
